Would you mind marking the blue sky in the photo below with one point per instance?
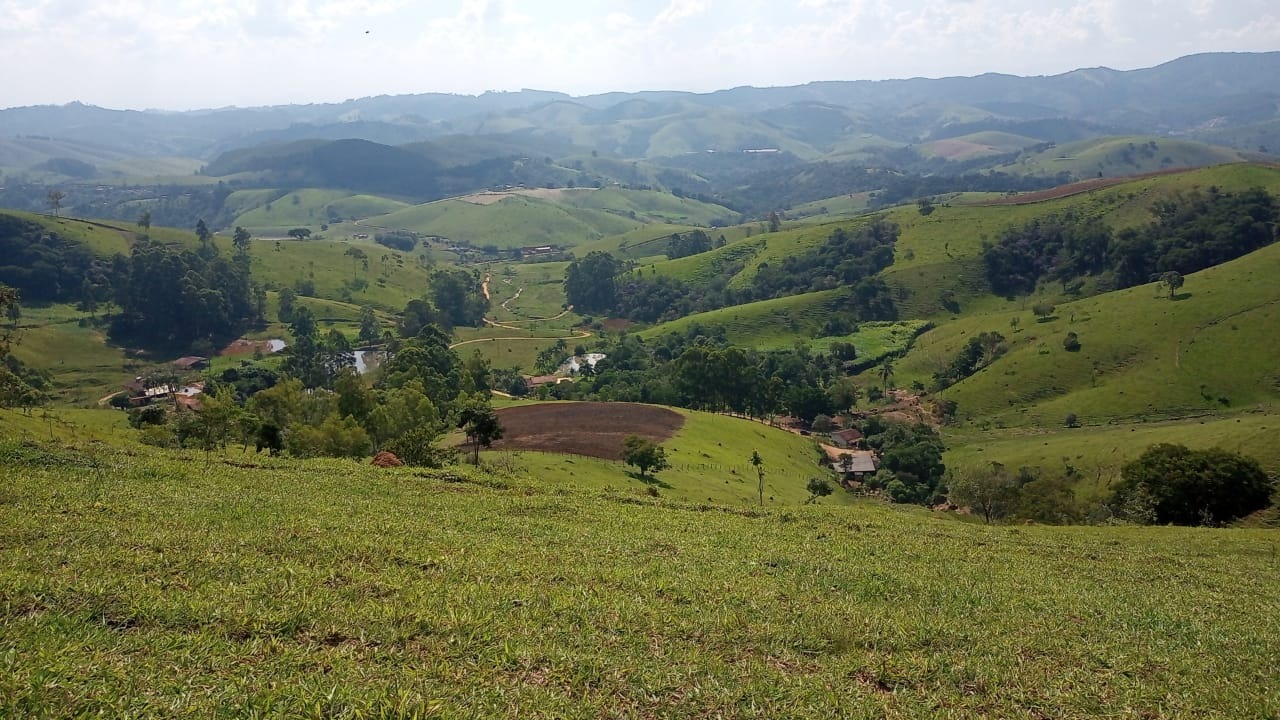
(183, 54)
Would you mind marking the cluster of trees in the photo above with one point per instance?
(402, 240)
(844, 258)
(996, 493)
(456, 299)
(1190, 232)
(979, 352)
(1167, 484)
(911, 469)
(319, 405)
(597, 283)
(700, 370)
(691, 243)
(178, 299)
(169, 297)
(46, 267)
(1175, 484)
(19, 385)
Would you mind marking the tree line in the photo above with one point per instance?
(1189, 232)
(600, 283)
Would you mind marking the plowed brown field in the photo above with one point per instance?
(585, 428)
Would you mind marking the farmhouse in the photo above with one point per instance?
(849, 438)
(851, 464)
(536, 250)
(140, 394)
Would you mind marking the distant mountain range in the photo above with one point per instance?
(1231, 99)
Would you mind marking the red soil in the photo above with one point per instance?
(584, 428)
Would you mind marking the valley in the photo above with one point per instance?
(844, 399)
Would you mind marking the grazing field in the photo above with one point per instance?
(83, 366)
(1093, 456)
(709, 456)
(511, 222)
(1120, 156)
(767, 324)
(142, 584)
(1142, 356)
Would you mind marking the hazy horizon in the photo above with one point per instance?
(142, 54)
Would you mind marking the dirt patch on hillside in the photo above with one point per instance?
(491, 197)
(586, 428)
(1077, 188)
(959, 149)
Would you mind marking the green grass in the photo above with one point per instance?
(650, 206)
(767, 324)
(1119, 156)
(1099, 452)
(1143, 356)
(149, 585)
(514, 221)
(709, 459)
(300, 208)
(284, 263)
(832, 208)
(83, 366)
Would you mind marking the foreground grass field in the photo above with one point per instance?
(143, 585)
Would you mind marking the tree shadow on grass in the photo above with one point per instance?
(649, 480)
(1180, 297)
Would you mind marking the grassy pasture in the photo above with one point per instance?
(709, 459)
(766, 324)
(283, 263)
(1119, 156)
(1099, 452)
(1143, 355)
(513, 221)
(84, 367)
(153, 585)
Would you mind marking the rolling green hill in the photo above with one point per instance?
(511, 222)
(1120, 156)
(1143, 355)
(710, 462)
(141, 583)
(975, 145)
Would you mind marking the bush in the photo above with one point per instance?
(1194, 487)
(417, 447)
(1071, 343)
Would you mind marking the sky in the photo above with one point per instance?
(186, 54)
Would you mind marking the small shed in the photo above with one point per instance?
(191, 362)
(848, 438)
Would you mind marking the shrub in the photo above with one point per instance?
(1194, 487)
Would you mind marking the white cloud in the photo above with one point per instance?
(679, 10)
(188, 53)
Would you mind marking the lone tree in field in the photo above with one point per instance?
(645, 454)
(886, 374)
(1043, 311)
(482, 427)
(54, 200)
(758, 462)
(991, 493)
(1172, 280)
(817, 488)
(300, 233)
(144, 220)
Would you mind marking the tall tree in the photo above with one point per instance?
(758, 463)
(482, 427)
(590, 284)
(54, 201)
